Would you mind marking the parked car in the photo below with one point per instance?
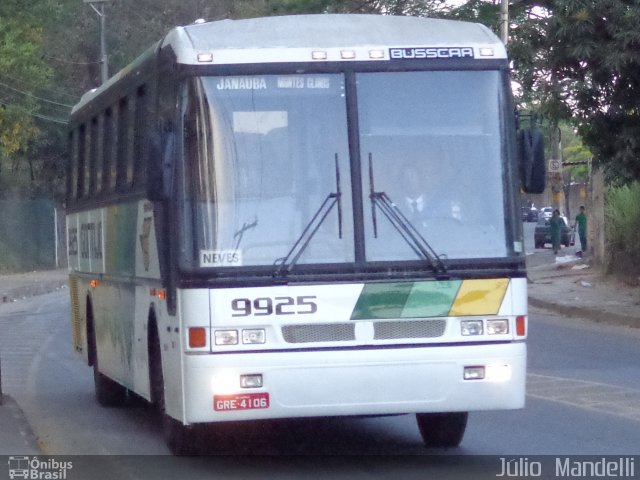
(529, 214)
(542, 233)
(546, 212)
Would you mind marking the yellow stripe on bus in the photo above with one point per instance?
(479, 297)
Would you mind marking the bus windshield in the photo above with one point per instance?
(262, 154)
(433, 145)
(267, 166)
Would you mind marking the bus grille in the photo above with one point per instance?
(409, 329)
(330, 332)
(345, 332)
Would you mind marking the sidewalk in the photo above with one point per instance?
(17, 286)
(572, 287)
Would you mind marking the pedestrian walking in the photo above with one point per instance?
(581, 224)
(555, 225)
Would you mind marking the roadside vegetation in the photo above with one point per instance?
(622, 224)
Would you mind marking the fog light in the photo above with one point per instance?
(473, 373)
(471, 327)
(256, 336)
(498, 373)
(224, 382)
(251, 381)
(226, 337)
(497, 327)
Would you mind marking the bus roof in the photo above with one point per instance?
(294, 38)
(318, 38)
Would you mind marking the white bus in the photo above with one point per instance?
(304, 216)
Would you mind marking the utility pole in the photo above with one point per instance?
(99, 9)
(504, 21)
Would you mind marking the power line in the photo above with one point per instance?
(59, 92)
(35, 96)
(34, 114)
(62, 60)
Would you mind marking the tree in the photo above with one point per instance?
(29, 113)
(579, 61)
(389, 7)
(600, 61)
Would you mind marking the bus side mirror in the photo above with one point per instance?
(531, 159)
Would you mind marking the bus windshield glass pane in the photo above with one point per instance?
(431, 142)
(262, 156)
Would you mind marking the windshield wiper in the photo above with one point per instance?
(245, 226)
(286, 263)
(402, 224)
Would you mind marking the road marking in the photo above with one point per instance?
(600, 397)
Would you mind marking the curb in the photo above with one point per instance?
(14, 294)
(17, 436)
(588, 313)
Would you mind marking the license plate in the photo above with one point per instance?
(242, 401)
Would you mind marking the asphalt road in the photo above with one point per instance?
(583, 399)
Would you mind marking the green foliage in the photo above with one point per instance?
(573, 150)
(485, 12)
(249, 8)
(578, 60)
(26, 104)
(622, 223)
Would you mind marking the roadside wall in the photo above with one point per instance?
(31, 234)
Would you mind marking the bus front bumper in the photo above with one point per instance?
(354, 382)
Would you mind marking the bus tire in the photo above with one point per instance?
(442, 430)
(179, 438)
(109, 393)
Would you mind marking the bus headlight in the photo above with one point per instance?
(497, 327)
(471, 327)
(254, 336)
(226, 337)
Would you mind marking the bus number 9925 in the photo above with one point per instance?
(263, 306)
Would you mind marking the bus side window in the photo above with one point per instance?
(93, 159)
(123, 162)
(109, 151)
(81, 165)
(140, 129)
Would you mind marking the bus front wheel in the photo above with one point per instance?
(180, 439)
(442, 430)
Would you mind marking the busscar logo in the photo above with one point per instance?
(418, 53)
(34, 468)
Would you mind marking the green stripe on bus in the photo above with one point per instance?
(382, 300)
(431, 299)
(406, 300)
